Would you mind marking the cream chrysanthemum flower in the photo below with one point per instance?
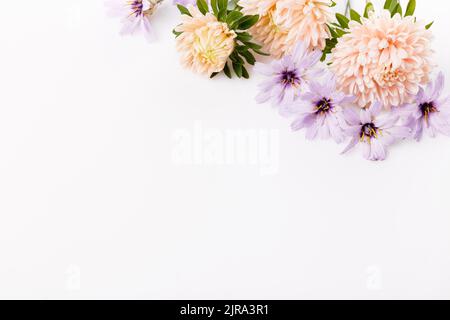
(205, 43)
(283, 23)
(383, 59)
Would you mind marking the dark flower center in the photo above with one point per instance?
(427, 108)
(369, 131)
(290, 77)
(324, 106)
(137, 7)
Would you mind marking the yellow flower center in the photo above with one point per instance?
(213, 46)
(209, 55)
(390, 77)
(368, 132)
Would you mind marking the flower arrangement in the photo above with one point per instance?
(364, 79)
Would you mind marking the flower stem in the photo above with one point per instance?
(348, 7)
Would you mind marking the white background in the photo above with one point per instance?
(93, 205)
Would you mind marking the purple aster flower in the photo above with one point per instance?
(373, 132)
(135, 15)
(430, 112)
(288, 76)
(319, 110)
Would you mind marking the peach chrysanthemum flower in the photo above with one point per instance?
(267, 31)
(383, 59)
(205, 43)
(283, 23)
(306, 21)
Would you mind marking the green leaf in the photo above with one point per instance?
(222, 4)
(176, 33)
(222, 15)
(336, 24)
(369, 8)
(256, 48)
(247, 22)
(237, 67)
(245, 73)
(411, 8)
(355, 15)
(236, 58)
(252, 45)
(241, 48)
(183, 10)
(332, 32)
(343, 20)
(340, 32)
(330, 44)
(428, 26)
(248, 57)
(243, 36)
(394, 5)
(387, 4)
(214, 6)
(233, 16)
(397, 9)
(202, 6)
(227, 71)
(261, 53)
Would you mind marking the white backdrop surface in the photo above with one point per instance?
(97, 202)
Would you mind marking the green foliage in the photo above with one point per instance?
(230, 13)
(183, 10)
(368, 9)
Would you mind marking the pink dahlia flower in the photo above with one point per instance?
(374, 132)
(135, 15)
(383, 59)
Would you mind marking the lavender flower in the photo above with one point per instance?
(135, 15)
(430, 112)
(319, 110)
(288, 76)
(185, 2)
(374, 133)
